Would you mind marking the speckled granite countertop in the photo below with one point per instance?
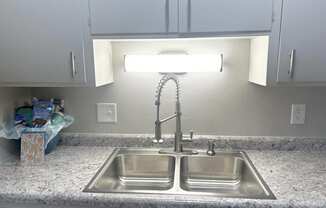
(199, 141)
(297, 178)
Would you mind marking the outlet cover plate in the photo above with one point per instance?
(298, 114)
(106, 112)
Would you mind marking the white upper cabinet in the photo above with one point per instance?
(215, 16)
(139, 17)
(303, 32)
(48, 43)
(118, 17)
(41, 41)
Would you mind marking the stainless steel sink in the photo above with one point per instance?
(206, 173)
(133, 170)
(227, 174)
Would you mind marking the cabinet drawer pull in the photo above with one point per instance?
(73, 64)
(290, 72)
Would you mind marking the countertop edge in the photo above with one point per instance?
(96, 200)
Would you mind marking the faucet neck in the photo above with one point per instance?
(177, 115)
(161, 85)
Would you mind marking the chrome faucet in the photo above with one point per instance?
(178, 137)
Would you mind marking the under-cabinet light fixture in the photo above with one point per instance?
(174, 63)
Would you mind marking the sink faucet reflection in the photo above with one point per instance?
(178, 137)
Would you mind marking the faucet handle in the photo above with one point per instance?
(191, 134)
(189, 139)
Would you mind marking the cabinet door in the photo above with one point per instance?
(39, 39)
(115, 17)
(303, 33)
(218, 16)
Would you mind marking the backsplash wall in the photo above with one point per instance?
(212, 103)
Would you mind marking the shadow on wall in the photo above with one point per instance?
(8, 150)
(9, 99)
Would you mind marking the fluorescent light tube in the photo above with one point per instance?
(177, 63)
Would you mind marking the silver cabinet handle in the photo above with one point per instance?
(167, 15)
(292, 54)
(189, 16)
(73, 64)
(222, 62)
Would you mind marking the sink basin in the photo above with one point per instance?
(227, 174)
(223, 174)
(135, 171)
(207, 173)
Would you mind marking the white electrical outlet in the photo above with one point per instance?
(298, 113)
(106, 112)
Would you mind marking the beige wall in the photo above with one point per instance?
(219, 103)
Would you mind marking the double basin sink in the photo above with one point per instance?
(226, 174)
